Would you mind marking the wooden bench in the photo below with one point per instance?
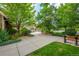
(71, 38)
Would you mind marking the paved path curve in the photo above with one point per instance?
(28, 45)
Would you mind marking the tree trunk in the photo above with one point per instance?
(65, 30)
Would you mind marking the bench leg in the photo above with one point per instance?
(76, 42)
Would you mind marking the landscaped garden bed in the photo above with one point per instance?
(9, 42)
(56, 49)
(6, 38)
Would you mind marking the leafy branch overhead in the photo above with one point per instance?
(19, 14)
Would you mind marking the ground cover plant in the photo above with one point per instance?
(5, 38)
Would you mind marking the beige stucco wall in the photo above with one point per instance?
(0, 21)
(2, 24)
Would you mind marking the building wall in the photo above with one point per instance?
(0, 21)
(3, 23)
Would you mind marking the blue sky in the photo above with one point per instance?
(37, 6)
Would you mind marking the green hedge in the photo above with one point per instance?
(58, 34)
(6, 38)
(70, 31)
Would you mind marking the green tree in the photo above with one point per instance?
(19, 15)
(67, 15)
(46, 17)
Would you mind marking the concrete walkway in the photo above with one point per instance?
(28, 45)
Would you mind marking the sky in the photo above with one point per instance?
(37, 7)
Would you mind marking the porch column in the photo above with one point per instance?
(0, 22)
(3, 23)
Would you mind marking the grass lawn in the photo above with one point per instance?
(56, 49)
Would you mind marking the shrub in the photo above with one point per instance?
(57, 33)
(4, 36)
(12, 31)
(71, 32)
(25, 31)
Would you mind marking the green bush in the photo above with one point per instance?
(71, 32)
(12, 31)
(4, 36)
(57, 33)
(25, 31)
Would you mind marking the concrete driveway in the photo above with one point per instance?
(28, 45)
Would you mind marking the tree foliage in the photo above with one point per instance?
(67, 15)
(19, 15)
(46, 17)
